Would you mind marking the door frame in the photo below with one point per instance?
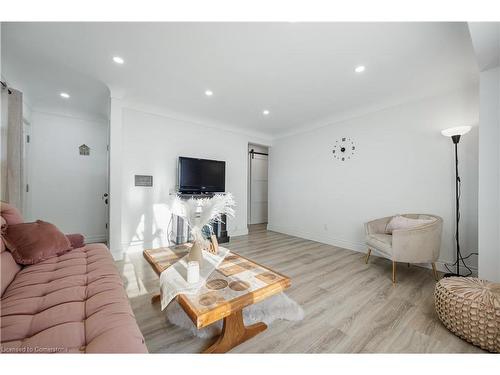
(249, 179)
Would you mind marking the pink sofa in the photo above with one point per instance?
(74, 302)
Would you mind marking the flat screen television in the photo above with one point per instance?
(201, 175)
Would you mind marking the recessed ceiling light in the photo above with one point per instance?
(118, 60)
(265, 112)
(64, 95)
(209, 92)
(360, 69)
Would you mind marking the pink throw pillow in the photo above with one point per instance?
(401, 222)
(76, 240)
(31, 243)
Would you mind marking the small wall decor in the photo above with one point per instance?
(84, 150)
(143, 180)
(344, 149)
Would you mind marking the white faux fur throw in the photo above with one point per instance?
(279, 306)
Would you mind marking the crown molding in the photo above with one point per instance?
(367, 110)
(266, 139)
(253, 136)
(82, 116)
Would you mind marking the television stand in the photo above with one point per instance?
(182, 231)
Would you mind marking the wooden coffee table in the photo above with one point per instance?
(237, 283)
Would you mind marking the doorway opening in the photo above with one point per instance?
(257, 186)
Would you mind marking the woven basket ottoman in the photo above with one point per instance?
(470, 308)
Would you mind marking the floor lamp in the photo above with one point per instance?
(454, 134)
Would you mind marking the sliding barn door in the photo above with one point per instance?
(258, 189)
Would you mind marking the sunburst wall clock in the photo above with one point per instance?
(344, 149)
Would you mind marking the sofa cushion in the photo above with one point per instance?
(8, 268)
(74, 302)
(381, 242)
(31, 243)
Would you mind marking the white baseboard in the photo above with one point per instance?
(350, 245)
(117, 254)
(323, 238)
(238, 232)
(138, 246)
(95, 238)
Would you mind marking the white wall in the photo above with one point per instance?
(402, 165)
(151, 145)
(485, 38)
(66, 188)
(489, 175)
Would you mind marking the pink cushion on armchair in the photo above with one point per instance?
(401, 222)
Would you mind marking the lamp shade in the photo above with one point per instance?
(459, 130)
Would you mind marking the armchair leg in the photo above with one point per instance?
(368, 255)
(393, 272)
(435, 272)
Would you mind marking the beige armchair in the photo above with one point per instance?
(416, 245)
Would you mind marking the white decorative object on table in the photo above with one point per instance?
(193, 272)
(173, 281)
(201, 212)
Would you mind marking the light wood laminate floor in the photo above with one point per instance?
(350, 306)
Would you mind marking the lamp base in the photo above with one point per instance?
(452, 275)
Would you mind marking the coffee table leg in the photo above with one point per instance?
(234, 333)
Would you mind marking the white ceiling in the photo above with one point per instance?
(486, 41)
(302, 72)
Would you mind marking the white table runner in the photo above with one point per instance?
(173, 281)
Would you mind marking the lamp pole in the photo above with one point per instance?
(454, 134)
(456, 139)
